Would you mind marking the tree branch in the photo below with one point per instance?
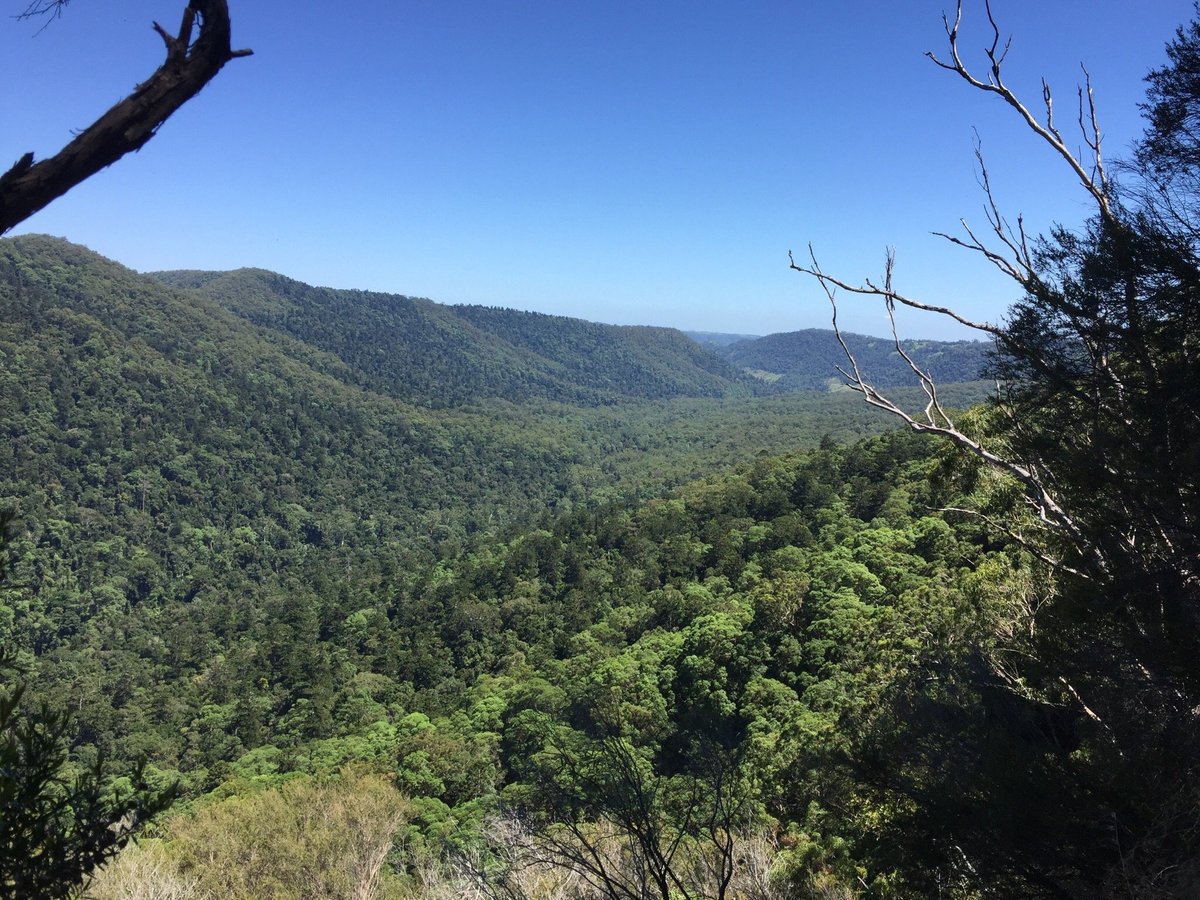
(936, 420)
(1014, 258)
(1094, 181)
(870, 290)
(29, 186)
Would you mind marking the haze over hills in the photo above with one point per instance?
(719, 338)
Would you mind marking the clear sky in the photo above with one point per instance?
(630, 162)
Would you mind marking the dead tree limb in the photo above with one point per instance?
(934, 419)
(1092, 175)
(190, 64)
(1009, 252)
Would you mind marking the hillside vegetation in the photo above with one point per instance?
(598, 626)
(809, 359)
(749, 631)
(191, 488)
(335, 594)
(435, 355)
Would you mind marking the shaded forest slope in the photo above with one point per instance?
(437, 355)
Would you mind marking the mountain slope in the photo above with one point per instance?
(437, 355)
(155, 445)
(808, 359)
(130, 409)
(176, 468)
(719, 338)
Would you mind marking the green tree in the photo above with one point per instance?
(1096, 430)
(604, 812)
(55, 830)
(648, 794)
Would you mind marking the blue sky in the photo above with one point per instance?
(627, 162)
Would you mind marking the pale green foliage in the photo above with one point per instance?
(305, 839)
(145, 872)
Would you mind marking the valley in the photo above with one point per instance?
(481, 595)
(262, 529)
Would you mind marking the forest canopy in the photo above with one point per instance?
(385, 598)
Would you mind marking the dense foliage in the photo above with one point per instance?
(237, 562)
(207, 512)
(1083, 740)
(435, 355)
(55, 828)
(417, 601)
(736, 640)
(1096, 421)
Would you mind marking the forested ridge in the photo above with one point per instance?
(134, 409)
(234, 563)
(168, 462)
(437, 355)
(809, 359)
(335, 594)
(277, 588)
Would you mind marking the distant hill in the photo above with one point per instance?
(808, 360)
(209, 509)
(719, 338)
(134, 414)
(437, 355)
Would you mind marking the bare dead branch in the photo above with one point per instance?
(1091, 130)
(1032, 548)
(190, 64)
(50, 9)
(1008, 250)
(1092, 176)
(935, 418)
(871, 290)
